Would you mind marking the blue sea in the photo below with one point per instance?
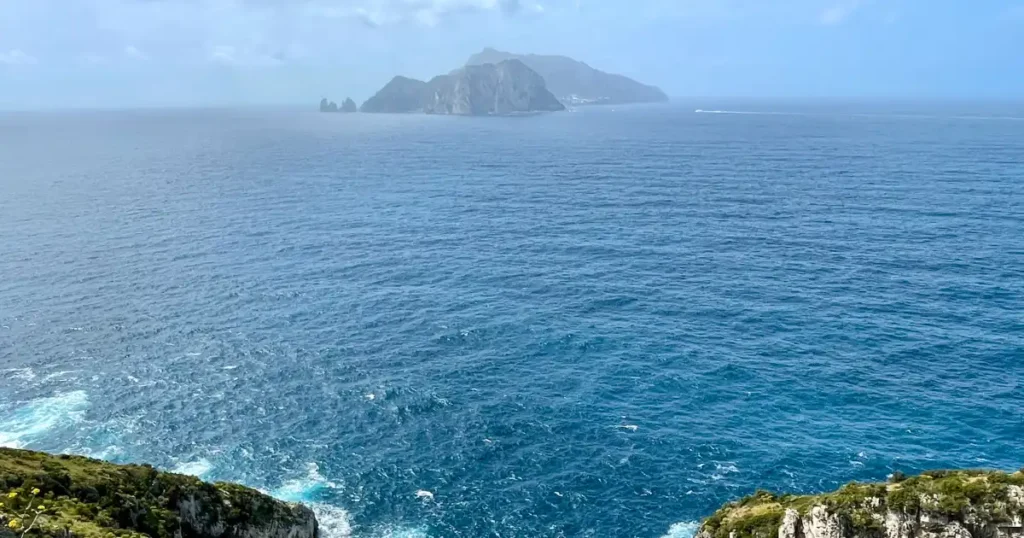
(599, 323)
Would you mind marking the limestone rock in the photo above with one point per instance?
(575, 82)
(936, 504)
(509, 87)
(99, 499)
(820, 523)
(791, 526)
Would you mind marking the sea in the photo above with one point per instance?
(599, 323)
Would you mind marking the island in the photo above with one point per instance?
(61, 496)
(935, 504)
(503, 88)
(330, 106)
(575, 82)
(401, 94)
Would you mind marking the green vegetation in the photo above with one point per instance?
(861, 507)
(71, 496)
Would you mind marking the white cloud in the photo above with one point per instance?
(231, 55)
(426, 12)
(838, 13)
(222, 54)
(17, 57)
(134, 53)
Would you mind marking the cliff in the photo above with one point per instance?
(937, 504)
(349, 105)
(71, 496)
(575, 82)
(401, 94)
(505, 88)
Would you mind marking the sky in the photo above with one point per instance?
(131, 53)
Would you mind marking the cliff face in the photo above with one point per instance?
(508, 87)
(938, 504)
(576, 82)
(71, 496)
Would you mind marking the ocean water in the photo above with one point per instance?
(602, 323)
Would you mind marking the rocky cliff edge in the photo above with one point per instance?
(71, 496)
(937, 504)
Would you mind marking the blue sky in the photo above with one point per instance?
(83, 53)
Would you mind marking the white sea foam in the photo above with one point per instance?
(39, 417)
(199, 468)
(57, 375)
(424, 495)
(107, 453)
(304, 489)
(334, 522)
(21, 374)
(683, 529)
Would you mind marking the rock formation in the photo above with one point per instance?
(575, 82)
(937, 504)
(349, 105)
(328, 106)
(401, 95)
(505, 88)
(509, 87)
(71, 496)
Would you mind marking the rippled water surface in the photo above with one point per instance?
(602, 323)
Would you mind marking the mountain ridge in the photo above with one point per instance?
(503, 88)
(576, 82)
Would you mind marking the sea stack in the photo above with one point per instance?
(328, 106)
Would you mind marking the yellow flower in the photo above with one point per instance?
(12, 495)
(42, 508)
(14, 524)
(35, 491)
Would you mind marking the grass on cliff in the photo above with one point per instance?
(861, 506)
(86, 498)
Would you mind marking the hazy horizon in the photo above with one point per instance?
(185, 53)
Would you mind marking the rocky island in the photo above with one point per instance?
(401, 94)
(330, 106)
(936, 504)
(503, 88)
(47, 496)
(575, 82)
